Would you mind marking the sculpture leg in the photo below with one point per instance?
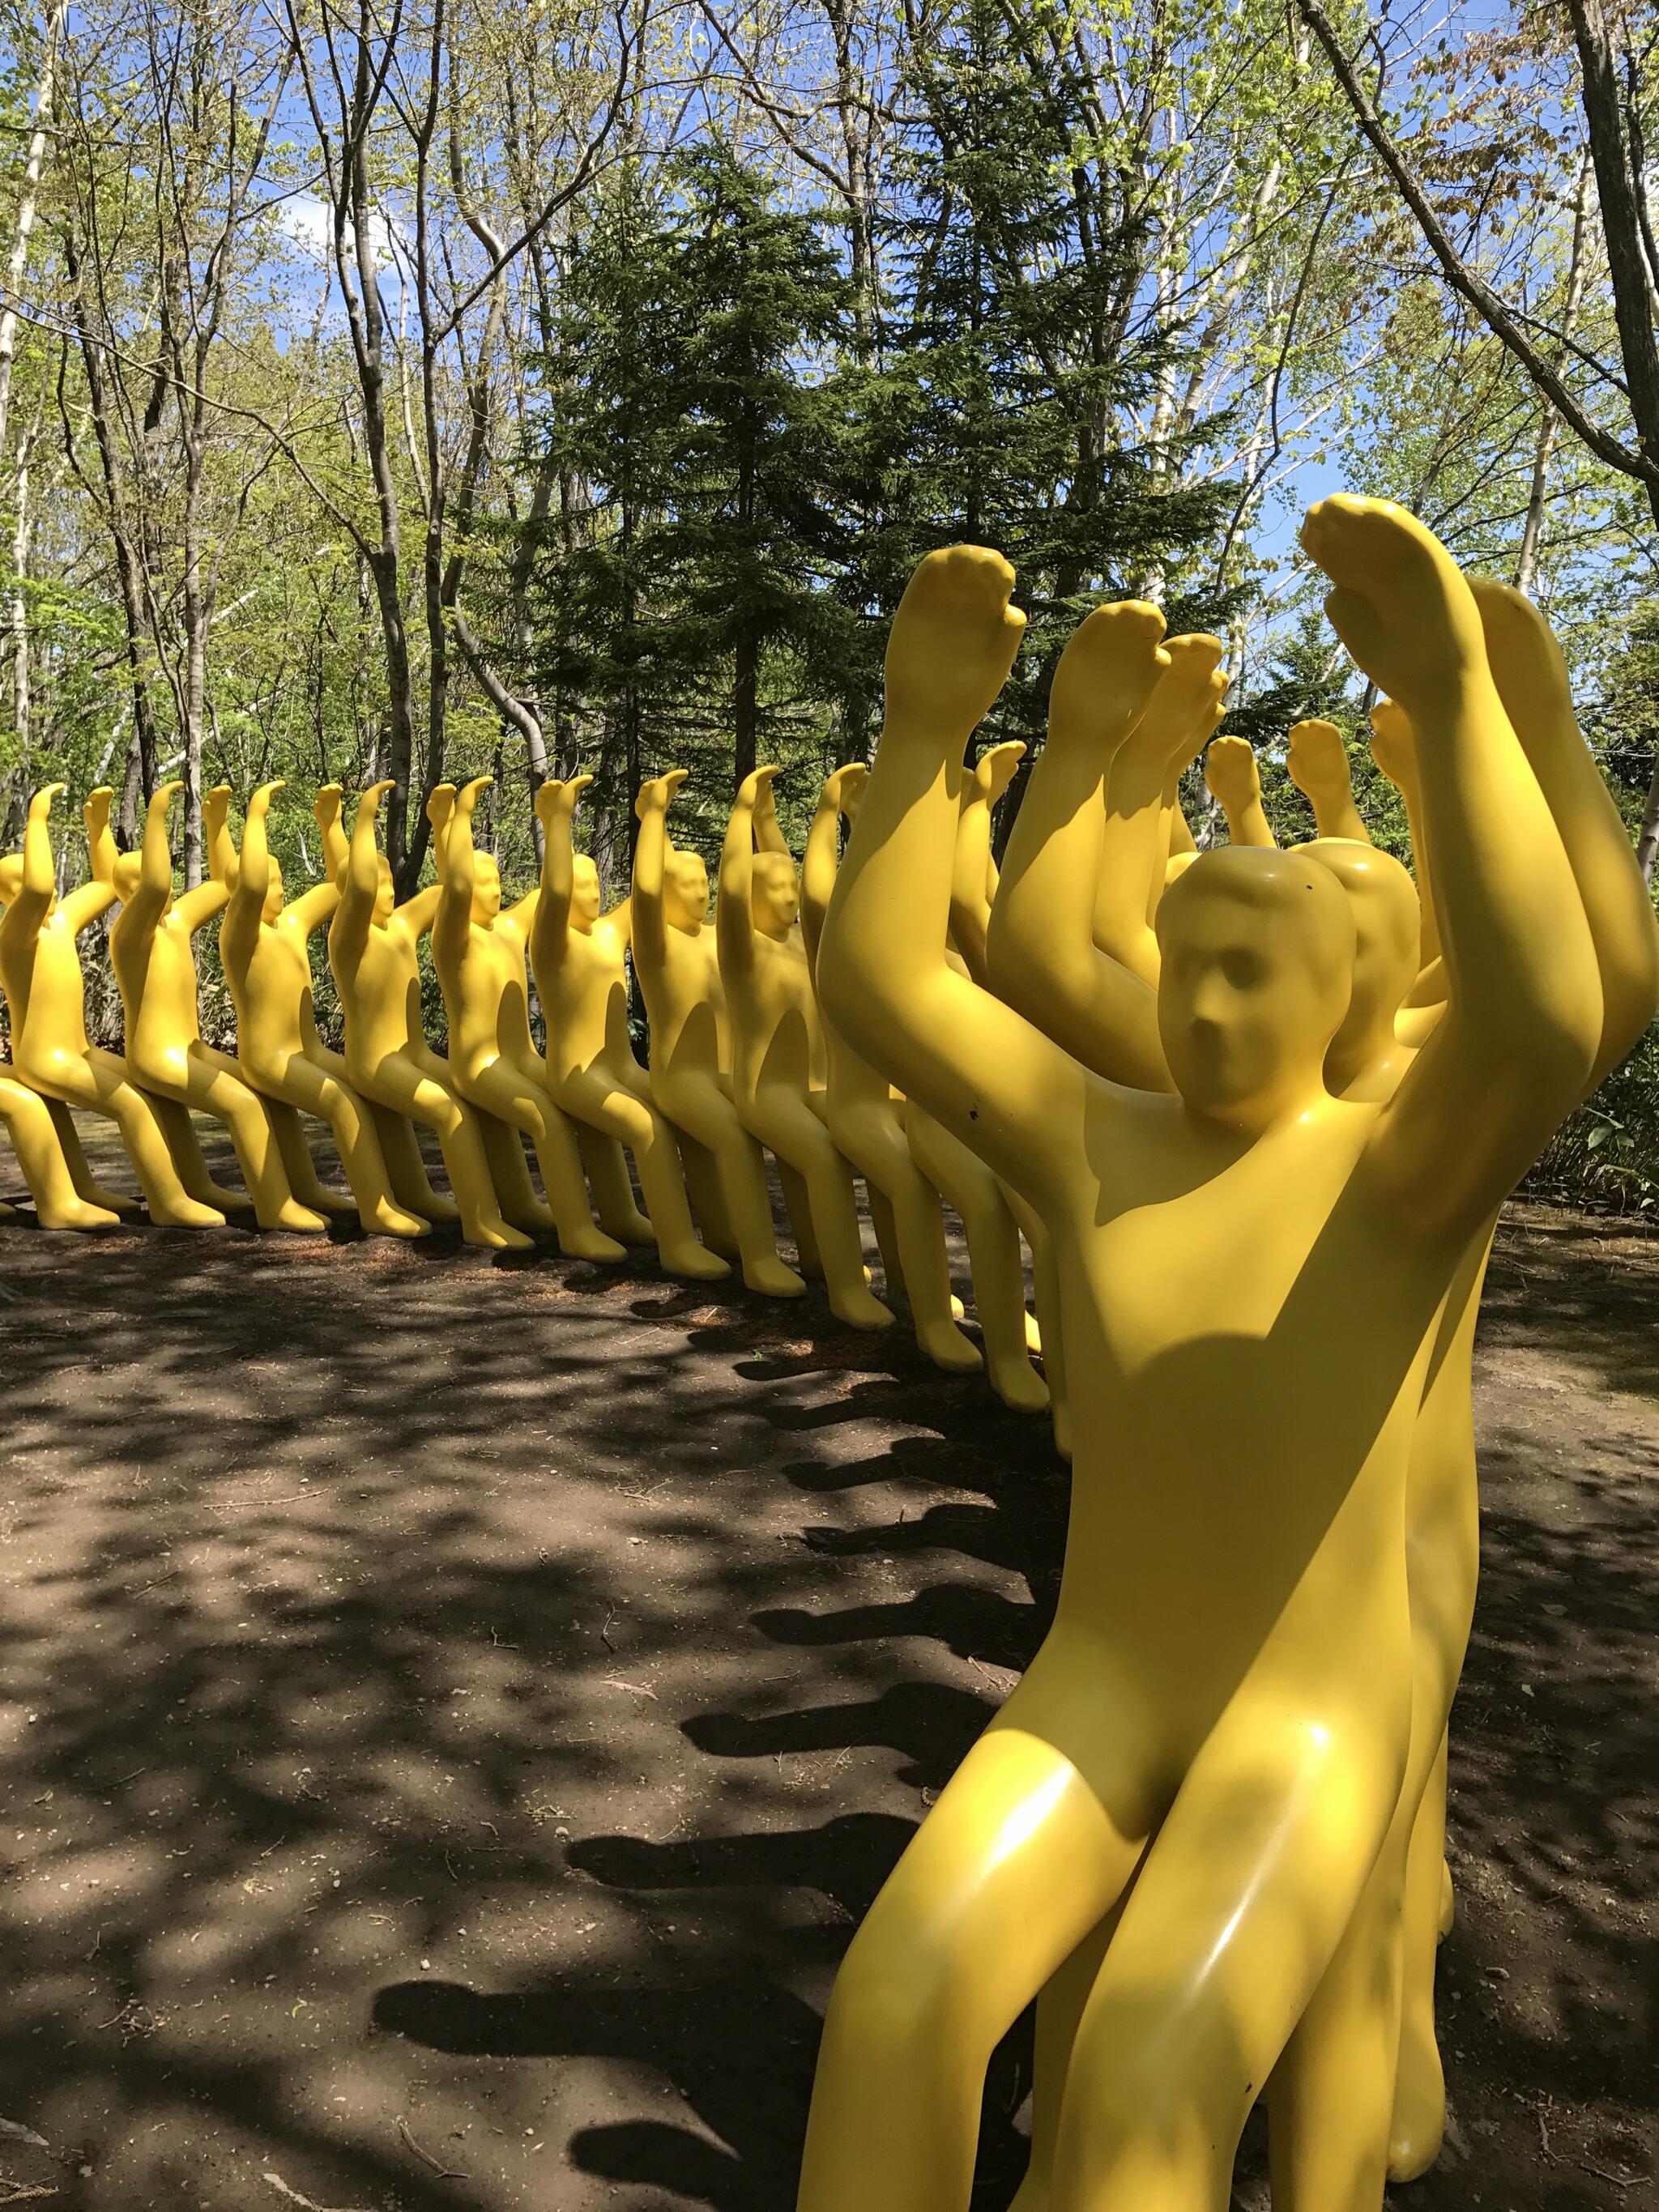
(1419, 2105)
(798, 1206)
(192, 1169)
(708, 1119)
(993, 1255)
(613, 1110)
(1238, 1909)
(400, 1148)
(1059, 2009)
(409, 1094)
(86, 1185)
(510, 1171)
(298, 1165)
(517, 1099)
(213, 1085)
(318, 1087)
(33, 1128)
(99, 1083)
(1045, 1278)
(608, 1179)
(782, 1119)
(702, 1186)
(1017, 1860)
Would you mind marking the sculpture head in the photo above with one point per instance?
(272, 909)
(11, 878)
(385, 896)
(584, 899)
(685, 891)
(486, 889)
(1382, 900)
(128, 867)
(1258, 950)
(773, 893)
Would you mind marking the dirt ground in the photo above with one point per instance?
(454, 1714)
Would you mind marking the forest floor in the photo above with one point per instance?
(454, 1714)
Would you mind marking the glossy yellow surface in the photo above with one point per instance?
(677, 964)
(1252, 1274)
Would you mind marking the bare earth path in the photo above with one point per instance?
(452, 1714)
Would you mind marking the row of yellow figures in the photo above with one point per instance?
(718, 1087)
(1254, 1110)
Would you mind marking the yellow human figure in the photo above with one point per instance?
(40, 971)
(154, 963)
(1222, 1707)
(480, 951)
(691, 1073)
(1391, 751)
(988, 1213)
(776, 1051)
(265, 949)
(373, 951)
(867, 1122)
(51, 1159)
(1363, 2077)
(1317, 761)
(1235, 783)
(577, 955)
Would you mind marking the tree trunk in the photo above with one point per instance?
(1527, 563)
(28, 201)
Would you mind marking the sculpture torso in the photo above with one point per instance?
(155, 968)
(775, 1025)
(685, 1003)
(380, 994)
(486, 997)
(585, 999)
(268, 972)
(45, 993)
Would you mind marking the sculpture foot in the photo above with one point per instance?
(229, 1201)
(590, 1244)
(335, 1202)
(630, 1228)
(1019, 1386)
(1448, 1901)
(437, 1207)
(695, 1261)
(959, 1311)
(392, 1221)
(1419, 2103)
(773, 1280)
(498, 1237)
(859, 1308)
(950, 1349)
(79, 1213)
(112, 1202)
(1033, 1335)
(186, 1213)
(534, 1221)
(302, 1220)
(1062, 1430)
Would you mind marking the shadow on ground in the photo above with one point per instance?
(452, 1714)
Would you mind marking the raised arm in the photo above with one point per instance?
(245, 908)
(1318, 763)
(883, 976)
(83, 905)
(1040, 952)
(456, 875)
(555, 807)
(420, 910)
(975, 878)
(1394, 748)
(317, 906)
(650, 856)
(734, 924)
(361, 889)
(768, 831)
(148, 901)
(842, 791)
(1235, 784)
(35, 893)
(195, 907)
(1522, 1025)
(1532, 682)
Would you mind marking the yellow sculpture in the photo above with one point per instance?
(265, 947)
(777, 1056)
(154, 963)
(577, 956)
(690, 1074)
(867, 1121)
(480, 953)
(65, 1193)
(40, 971)
(1235, 784)
(373, 951)
(1318, 763)
(1250, 1270)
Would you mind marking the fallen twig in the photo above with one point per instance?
(308, 2203)
(18, 2133)
(444, 2173)
(19, 2193)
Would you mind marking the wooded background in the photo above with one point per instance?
(426, 388)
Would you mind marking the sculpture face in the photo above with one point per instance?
(1382, 900)
(685, 891)
(128, 866)
(11, 878)
(386, 898)
(486, 891)
(1257, 967)
(774, 893)
(585, 894)
(273, 905)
